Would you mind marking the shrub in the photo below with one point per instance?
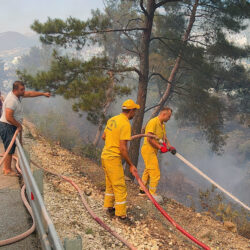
(221, 210)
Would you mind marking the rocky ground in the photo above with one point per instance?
(150, 229)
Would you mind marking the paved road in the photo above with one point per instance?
(14, 218)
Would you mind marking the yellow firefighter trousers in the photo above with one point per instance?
(152, 170)
(116, 191)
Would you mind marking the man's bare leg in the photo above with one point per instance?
(7, 165)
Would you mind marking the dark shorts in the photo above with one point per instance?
(6, 132)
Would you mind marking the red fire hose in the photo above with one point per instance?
(97, 219)
(91, 212)
(157, 205)
(32, 229)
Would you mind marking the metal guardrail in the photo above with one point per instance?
(45, 227)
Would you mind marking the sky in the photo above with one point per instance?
(18, 15)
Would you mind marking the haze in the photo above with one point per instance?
(18, 15)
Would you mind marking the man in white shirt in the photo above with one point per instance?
(12, 117)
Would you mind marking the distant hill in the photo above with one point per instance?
(12, 40)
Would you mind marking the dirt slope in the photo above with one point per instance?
(150, 229)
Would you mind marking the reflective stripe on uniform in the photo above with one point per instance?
(120, 203)
(109, 194)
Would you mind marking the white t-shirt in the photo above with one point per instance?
(12, 102)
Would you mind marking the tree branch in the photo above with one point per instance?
(166, 80)
(146, 110)
(162, 37)
(198, 42)
(122, 70)
(126, 34)
(132, 51)
(112, 30)
(165, 1)
(178, 93)
(131, 20)
(161, 76)
(142, 8)
(175, 69)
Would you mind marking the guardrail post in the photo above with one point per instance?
(27, 154)
(38, 175)
(73, 244)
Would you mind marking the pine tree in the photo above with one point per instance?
(202, 59)
(196, 43)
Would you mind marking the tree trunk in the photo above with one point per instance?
(98, 133)
(143, 82)
(105, 108)
(176, 67)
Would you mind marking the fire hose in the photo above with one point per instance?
(159, 207)
(97, 219)
(90, 211)
(189, 164)
(32, 229)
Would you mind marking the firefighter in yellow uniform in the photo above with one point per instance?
(117, 133)
(151, 147)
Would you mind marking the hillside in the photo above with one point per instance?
(13, 40)
(150, 229)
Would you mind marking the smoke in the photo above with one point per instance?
(177, 180)
(40, 107)
(229, 170)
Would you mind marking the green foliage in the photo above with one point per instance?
(84, 82)
(209, 61)
(87, 82)
(214, 203)
(225, 49)
(192, 202)
(226, 213)
(89, 231)
(205, 112)
(236, 84)
(71, 32)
